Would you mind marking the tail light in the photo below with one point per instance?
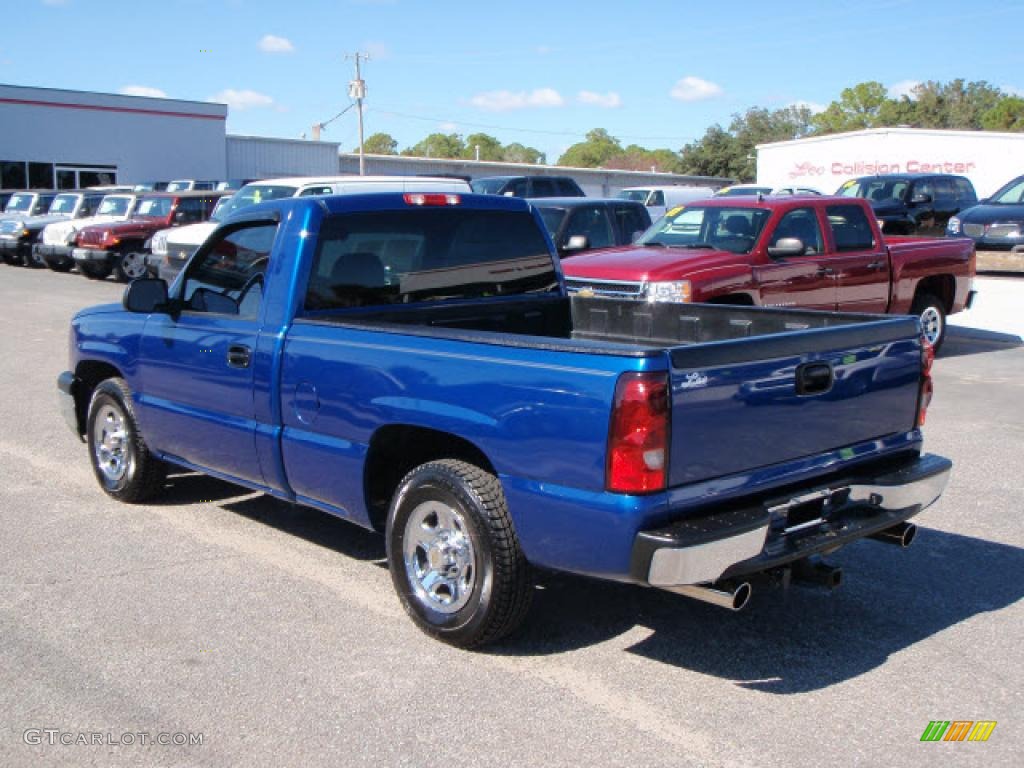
(924, 398)
(419, 198)
(638, 439)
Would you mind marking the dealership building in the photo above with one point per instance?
(987, 158)
(61, 139)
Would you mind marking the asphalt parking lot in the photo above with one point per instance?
(273, 632)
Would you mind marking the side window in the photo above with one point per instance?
(802, 224)
(542, 188)
(850, 228)
(923, 188)
(568, 188)
(517, 188)
(320, 190)
(89, 205)
(227, 278)
(944, 192)
(189, 211)
(593, 224)
(964, 192)
(630, 220)
(657, 198)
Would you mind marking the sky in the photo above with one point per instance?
(653, 73)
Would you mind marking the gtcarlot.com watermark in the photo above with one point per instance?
(56, 737)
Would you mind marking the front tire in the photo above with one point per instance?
(454, 556)
(94, 271)
(121, 461)
(932, 313)
(130, 266)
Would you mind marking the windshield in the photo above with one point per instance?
(251, 194)
(64, 204)
(724, 229)
(740, 191)
(876, 190)
(115, 206)
(553, 218)
(220, 207)
(398, 257)
(19, 203)
(179, 186)
(155, 207)
(487, 186)
(639, 195)
(1011, 194)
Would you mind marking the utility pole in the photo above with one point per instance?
(357, 91)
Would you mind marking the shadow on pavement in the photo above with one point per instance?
(796, 640)
(972, 341)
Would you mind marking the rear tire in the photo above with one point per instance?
(120, 459)
(454, 556)
(932, 314)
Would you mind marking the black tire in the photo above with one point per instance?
(140, 475)
(60, 265)
(932, 313)
(94, 271)
(129, 265)
(6, 258)
(29, 259)
(501, 589)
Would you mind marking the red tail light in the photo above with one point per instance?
(430, 198)
(924, 398)
(638, 439)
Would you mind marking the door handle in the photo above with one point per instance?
(825, 271)
(239, 356)
(876, 265)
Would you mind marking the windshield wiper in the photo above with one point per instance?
(652, 244)
(709, 246)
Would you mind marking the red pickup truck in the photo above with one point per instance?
(809, 252)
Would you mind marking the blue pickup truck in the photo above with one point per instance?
(412, 363)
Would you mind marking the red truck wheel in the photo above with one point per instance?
(454, 557)
(933, 318)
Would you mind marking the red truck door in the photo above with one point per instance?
(859, 259)
(806, 280)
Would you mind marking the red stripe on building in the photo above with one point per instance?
(99, 108)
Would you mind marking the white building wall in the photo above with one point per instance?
(254, 157)
(595, 182)
(147, 139)
(987, 158)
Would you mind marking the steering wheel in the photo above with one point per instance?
(248, 285)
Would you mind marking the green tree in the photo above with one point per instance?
(380, 144)
(594, 152)
(716, 153)
(857, 107)
(1006, 115)
(517, 153)
(490, 147)
(443, 145)
(955, 105)
(637, 158)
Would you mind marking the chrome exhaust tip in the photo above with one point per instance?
(729, 596)
(901, 534)
(814, 571)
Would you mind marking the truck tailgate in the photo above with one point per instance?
(749, 403)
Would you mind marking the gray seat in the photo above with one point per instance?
(359, 268)
(738, 225)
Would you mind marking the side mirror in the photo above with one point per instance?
(145, 295)
(787, 246)
(921, 197)
(576, 243)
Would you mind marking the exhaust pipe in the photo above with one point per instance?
(814, 571)
(733, 597)
(901, 534)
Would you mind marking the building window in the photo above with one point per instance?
(40, 175)
(66, 179)
(96, 178)
(12, 175)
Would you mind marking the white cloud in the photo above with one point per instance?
(502, 101)
(692, 88)
(242, 99)
(275, 44)
(448, 127)
(375, 50)
(609, 100)
(814, 106)
(142, 90)
(903, 88)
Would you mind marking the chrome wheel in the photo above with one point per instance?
(133, 265)
(931, 324)
(110, 443)
(440, 562)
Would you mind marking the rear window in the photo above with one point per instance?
(395, 257)
(487, 186)
(850, 228)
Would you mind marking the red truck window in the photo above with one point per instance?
(802, 224)
(851, 230)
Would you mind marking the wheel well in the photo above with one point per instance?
(90, 373)
(942, 287)
(396, 449)
(733, 299)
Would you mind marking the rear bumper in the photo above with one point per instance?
(745, 540)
